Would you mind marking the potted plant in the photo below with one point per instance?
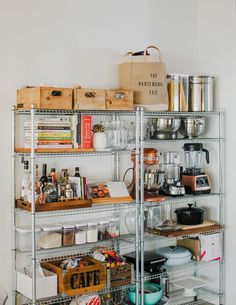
(99, 139)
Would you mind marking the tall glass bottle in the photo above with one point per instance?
(44, 178)
(25, 181)
(62, 182)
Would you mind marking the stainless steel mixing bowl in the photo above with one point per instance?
(166, 124)
(192, 127)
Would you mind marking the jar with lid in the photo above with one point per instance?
(51, 236)
(92, 232)
(113, 230)
(68, 235)
(103, 226)
(80, 233)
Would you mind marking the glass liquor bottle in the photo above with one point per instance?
(62, 182)
(25, 181)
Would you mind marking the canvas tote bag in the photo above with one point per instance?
(146, 76)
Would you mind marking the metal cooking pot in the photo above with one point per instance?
(190, 215)
(175, 255)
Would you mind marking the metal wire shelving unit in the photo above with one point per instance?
(140, 239)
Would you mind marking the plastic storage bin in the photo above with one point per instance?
(24, 238)
(92, 232)
(80, 233)
(68, 235)
(103, 226)
(113, 230)
(51, 237)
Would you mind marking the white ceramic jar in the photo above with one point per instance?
(99, 141)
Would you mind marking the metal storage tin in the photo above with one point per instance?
(201, 93)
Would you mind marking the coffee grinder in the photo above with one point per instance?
(194, 179)
(173, 174)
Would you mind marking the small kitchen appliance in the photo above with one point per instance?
(153, 177)
(172, 185)
(194, 179)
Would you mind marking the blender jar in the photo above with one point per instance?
(193, 157)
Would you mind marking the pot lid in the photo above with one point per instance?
(174, 252)
(190, 208)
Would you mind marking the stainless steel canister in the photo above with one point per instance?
(207, 93)
(201, 92)
(178, 90)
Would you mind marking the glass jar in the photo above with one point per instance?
(113, 230)
(68, 235)
(80, 233)
(119, 133)
(92, 232)
(102, 229)
(68, 191)
(51, 237)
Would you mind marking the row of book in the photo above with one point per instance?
(60, 132)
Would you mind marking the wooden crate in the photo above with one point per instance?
(89, 99)
(54, 206)
(79, 280)
(45, 98)
(119, 100)
(120, 276)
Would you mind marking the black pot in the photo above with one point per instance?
(190, 215)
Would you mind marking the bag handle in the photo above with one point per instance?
(152, 47)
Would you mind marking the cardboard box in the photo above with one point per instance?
(46, 286)
(193, 245)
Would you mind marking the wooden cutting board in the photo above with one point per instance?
(205, 223)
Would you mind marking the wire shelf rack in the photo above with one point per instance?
(81, 250)
(182, 141)
(99, 208)
(203, 295)
(155, 239)
(76, 153)
(58, 299)
(120, 112)
(184, 199)
(177, 270)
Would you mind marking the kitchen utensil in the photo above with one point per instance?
(201, 92)
(192, 127)
(189, 283)
(178, 89)
(152, 294)
(190, 215)
(153, 217)
(193, 178)
(175, 255)
(163, 128)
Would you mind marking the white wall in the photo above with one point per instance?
(217, 49)
(60, 42)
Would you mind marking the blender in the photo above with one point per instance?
(173, 174)
(194, 179)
